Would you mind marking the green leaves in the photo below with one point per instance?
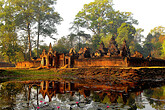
(126, 32)
(100, 18)
(22, 17)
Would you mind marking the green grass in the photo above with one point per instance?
(25, 74)
(34, 72)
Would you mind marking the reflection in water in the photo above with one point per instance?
(81, 94)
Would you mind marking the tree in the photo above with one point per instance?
(82, 35)
(8, 37)
(106, 39)
(30, 12)
(100, 18)
(40, 50)
(163, 49)
(160, 30)
(155, 40)
(126, 32)
(46, 17)
(79, 38)
(72, 37)
(25, 17)
(62, 45)
(138, 36)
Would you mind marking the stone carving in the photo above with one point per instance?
(149, 57)
(137, 55)
(101, 51)
(98, 53)
(43, 53)
(125, 51)
(72, 51)
(84, 53)
(50, 49)
(113, 48)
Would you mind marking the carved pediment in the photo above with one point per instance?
(113, 47)
(137, 55)
(125, 51)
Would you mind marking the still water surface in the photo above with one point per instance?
(81, 94)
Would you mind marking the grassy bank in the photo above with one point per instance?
(26, 74)
(20, 72)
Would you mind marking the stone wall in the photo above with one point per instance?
(5, 64)
(28, 64)
(100, 62)
(157, 62)
(137, 62)
(61, 61)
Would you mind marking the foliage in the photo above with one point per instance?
(106, 40)
(158, 30)
(18, 24)
(138, 47)
(100, 18)
(47, 18)
(138, 35)
(40, 50)
(8, 93)
(8, 37)
(78, 39)
(163, 49)
(147, 48)
(126, 32)
(158, 95)
(154, 42)
(62, 45)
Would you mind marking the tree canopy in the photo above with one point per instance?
(21, 20)
(101, 19)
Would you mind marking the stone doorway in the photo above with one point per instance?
(44, 61)
(50, 61)
(67, 61)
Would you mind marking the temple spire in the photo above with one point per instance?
(50, 48)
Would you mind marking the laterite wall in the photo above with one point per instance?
(137, 62)
(5, 64)
(28, 64)
(100, 62)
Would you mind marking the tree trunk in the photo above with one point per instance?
(38, 36)
(28, 30)
(79, 42)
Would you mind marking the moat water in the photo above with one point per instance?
(82, 94)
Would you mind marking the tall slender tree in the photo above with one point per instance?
(25, 17)
(32, 12)
(47, 18)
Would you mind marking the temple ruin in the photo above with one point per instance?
(102, 57)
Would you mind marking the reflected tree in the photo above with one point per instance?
(8, 94)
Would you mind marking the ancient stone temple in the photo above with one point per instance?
(125, 51)
(111, 56)
(51, 59)
(101, 51)
(113, 48)
(69, 58)
(84, 53)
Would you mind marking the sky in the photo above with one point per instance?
(149, 13)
